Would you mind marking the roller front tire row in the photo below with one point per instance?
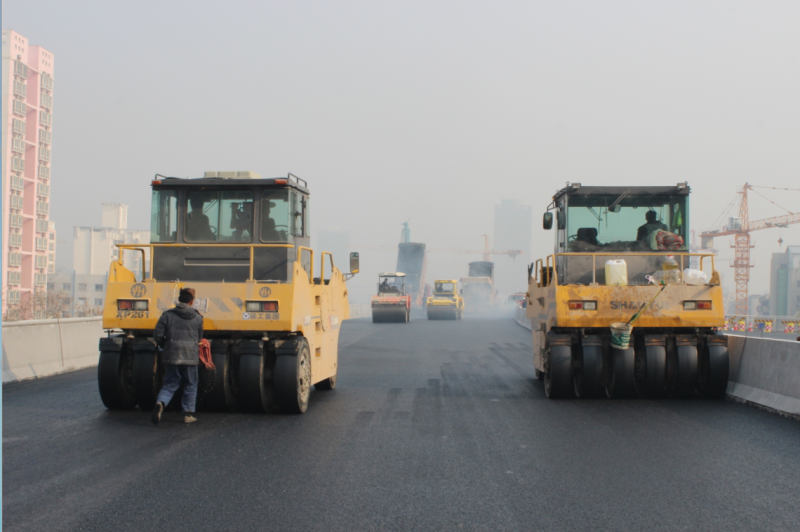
(253, 380)
(654, 366)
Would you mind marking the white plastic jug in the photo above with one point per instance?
(694, 277)
(616, 273)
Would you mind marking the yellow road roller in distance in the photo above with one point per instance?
(272, 308)
(446, 303)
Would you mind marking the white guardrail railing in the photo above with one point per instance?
(765, 324)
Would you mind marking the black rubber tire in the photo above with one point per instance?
(682, 372)
(558, 380)
(715, 366)
(621, 381)
(148, 378)
(116, 389)
(292, 378)
(650, 370)
(256, 392)
(326, 384)
(587, 375)
(218, 391)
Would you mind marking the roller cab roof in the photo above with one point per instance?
(231, 179)
(576, 189)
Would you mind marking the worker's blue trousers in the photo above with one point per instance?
(173, 378)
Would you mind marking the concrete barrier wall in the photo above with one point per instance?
(521, 318)
(765, 372)
(38, 348)
(360, 310)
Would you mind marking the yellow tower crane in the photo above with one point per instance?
(741, 230)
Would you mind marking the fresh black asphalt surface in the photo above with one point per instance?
(433, 426)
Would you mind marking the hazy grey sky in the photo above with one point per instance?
(433, 111)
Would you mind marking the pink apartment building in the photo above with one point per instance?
(28, 235)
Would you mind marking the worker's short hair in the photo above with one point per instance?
(186, 295)
(650, 216)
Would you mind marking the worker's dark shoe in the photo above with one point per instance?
(188, 418)
(157, 411)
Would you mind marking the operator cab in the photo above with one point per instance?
(208, 226)
(392, 284)
(444, 289)
(618, 220)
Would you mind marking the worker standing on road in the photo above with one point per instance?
(179, 332)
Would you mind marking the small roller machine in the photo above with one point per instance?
(392, 304)
(446, 303)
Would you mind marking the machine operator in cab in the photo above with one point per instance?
(652, 225)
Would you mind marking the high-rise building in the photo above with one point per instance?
(28, 235)
(784, 283)
(513, 230)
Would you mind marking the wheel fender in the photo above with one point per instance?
(112, 344)
(290, 346)
(249, 347)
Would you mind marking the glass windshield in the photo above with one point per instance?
(219, 216)
(391, 285)
(641, 223)
(164, 216)
(275, 215)
(445, 287)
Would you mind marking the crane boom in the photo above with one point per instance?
(742, 246)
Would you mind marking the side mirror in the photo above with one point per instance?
(547, 222)
(354, 262)
(562, 224)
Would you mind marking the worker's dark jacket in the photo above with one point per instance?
(178, 332)
(646, 229)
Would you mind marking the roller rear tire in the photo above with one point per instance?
(256, 392)
(682, 367)
(620, 380)
(588, 370)
(218, 391)
(714, 371)
(292, 378)
(650, 366)
(148, 377)
(558, 379)
(114, 381)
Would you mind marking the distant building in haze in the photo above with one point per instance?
(513, 230)
(94, 250)
(28, 236)
(784, 282)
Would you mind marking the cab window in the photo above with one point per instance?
(164, 216)
(275, 219)
(219, 216)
